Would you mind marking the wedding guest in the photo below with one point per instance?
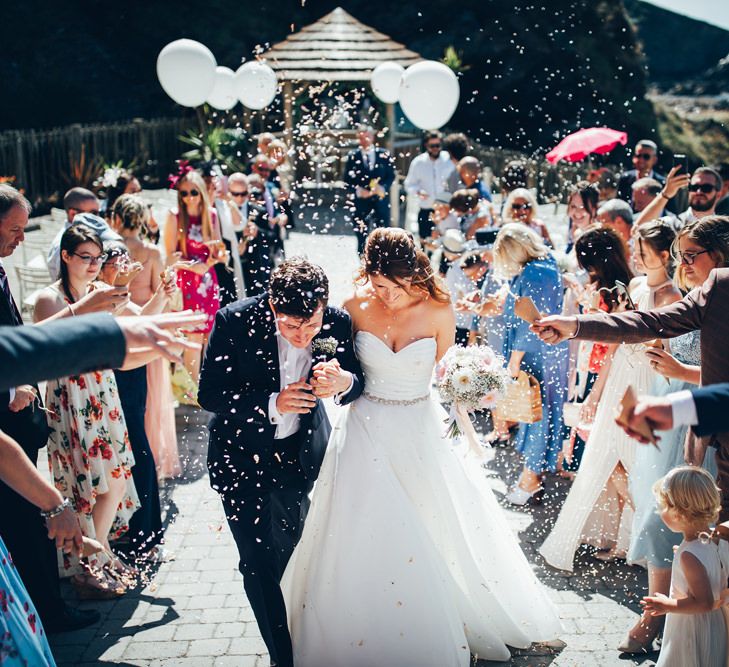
(269, 250)
(77, 201)
(428, 175)
(21, 525)
(191, 230)
(521, 206)
(607, 185)
(600, 253)
(369, 173)
(722, 204)
(23, 635)
(88, 447)
(599, 509)
(513, 176)
(252, 218)
(462, 278)
(472, 215)
(618, 215)
(129, 217)
(469, 169)
(283, 180)
(703, 185)
(226, 214)
(457, 146)
(644, 191)
(644, 160)
(145, 525)
(521, 256)
(582, 202)
(677, 368)
(695, 632)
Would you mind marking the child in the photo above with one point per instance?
(695, 634)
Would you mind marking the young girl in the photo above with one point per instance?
(88, 447)
(695, 633)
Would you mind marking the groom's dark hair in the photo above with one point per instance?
(298, 288)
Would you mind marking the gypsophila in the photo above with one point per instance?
(324, 346)
(472, 378)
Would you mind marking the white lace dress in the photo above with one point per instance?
(406, 557)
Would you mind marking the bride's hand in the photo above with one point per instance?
(329, 379)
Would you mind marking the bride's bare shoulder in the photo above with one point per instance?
(361, 296)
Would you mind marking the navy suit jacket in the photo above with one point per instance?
(240, 372)
(70, 346)
(712, 409)
(626, 180)
(357, 172)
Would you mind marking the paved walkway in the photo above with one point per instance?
(193, 612)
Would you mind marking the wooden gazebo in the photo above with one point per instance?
(337, 48)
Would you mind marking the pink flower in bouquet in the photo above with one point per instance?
(488, 400)
(440, 372)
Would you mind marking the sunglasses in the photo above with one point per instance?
(434, 145)
(643, 156)
(687, 258)
(521, 207)
(90, 259)
(242, 193)
(706, 188)
(189, 193)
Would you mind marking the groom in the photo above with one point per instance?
(269, 361)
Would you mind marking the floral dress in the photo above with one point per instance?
(87, 446)
(23, 641)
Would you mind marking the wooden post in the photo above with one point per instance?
(288, 110)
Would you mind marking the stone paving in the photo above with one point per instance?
(193, 611)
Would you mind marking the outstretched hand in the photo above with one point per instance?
(155, 332)
(554, 329)
(656, 411)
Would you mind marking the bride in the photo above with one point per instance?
(405, 557)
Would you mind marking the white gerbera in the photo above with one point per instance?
(463, 379)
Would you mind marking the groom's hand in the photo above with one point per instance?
(296, 398)
(330, 379)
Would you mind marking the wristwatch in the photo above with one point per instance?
(52, 514)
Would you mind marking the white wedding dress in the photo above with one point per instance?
(406, 558)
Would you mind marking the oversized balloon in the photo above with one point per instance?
(255, 84)
(429, 93)
(223, 95)
(186, 70)
(385, 81)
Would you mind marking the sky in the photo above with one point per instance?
(711, 11)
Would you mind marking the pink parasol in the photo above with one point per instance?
(580, 144)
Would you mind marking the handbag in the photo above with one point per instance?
(522, 401)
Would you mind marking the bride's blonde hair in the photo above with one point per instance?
(391, 253)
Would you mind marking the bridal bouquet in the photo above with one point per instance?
(469, 379)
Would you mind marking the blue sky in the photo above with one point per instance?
(711, 11)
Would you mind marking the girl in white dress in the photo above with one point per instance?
(695, 634)
(406, 558)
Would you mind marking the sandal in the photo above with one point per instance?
(91, 587)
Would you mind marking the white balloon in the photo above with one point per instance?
(186, 70)
(429, 93)
(385, 81)
(223, 95)
(256, 84)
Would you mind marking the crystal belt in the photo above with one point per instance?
(393, 401)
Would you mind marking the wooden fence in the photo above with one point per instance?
(47, 162)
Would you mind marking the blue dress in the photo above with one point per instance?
(541, 442)
(22, 638)
(651, 540)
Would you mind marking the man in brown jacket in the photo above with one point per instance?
(705, 308)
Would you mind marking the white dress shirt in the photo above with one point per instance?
(430, 176)
(293, 363)
(683, 408)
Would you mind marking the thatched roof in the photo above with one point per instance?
(335, 48)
